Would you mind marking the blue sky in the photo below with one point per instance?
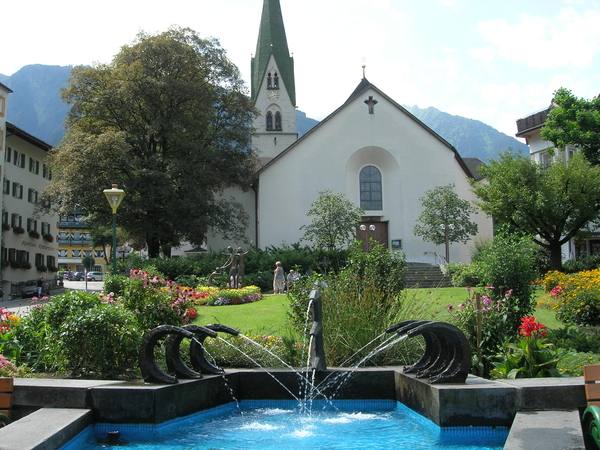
(486, 60)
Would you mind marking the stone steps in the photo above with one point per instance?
(420, 275)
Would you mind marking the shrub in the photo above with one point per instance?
(485, 324)
(462, 274)
(508, 264)
(82, 334)
(581, 340)
(116, 284)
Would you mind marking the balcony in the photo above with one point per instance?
(532, 122)
(80, 242)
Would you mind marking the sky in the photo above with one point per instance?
(493, 61)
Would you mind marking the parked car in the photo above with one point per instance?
(76, 276)
(29, 289)
(95, 276)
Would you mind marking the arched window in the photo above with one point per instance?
(370, 189)
(276, 81)
(269, 81)
(269, 120)
(278, 121)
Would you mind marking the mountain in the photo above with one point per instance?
(36, 107)
(472, 138)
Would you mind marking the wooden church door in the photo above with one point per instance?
(377, 231)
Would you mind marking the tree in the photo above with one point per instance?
(169, 121)
(549, 204)
(446, 218)
(574, 121)
(334, 222)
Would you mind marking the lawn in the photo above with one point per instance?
(269, 316)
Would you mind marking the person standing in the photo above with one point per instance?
(40, 286)
(278, 279)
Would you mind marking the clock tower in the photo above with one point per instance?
(273, 88)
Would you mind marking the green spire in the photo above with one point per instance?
(272, 41)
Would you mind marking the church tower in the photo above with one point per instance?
(273, 89)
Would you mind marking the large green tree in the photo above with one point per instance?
(169, 121)
(549, 204)
(574, 121)
(446, 218)
(334, 220)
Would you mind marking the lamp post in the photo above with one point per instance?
(114, 197)
(446, 229)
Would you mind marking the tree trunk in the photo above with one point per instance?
(153, 246)
(556, 257)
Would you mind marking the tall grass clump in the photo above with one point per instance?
(359, 303)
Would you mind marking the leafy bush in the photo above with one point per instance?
(485, 324)
(508, 264)
(582, 264)
(576, 339)
(115, 284)
(462, 274)
(82, 334)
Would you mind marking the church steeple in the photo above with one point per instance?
(272, 42)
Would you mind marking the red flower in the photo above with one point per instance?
(529, 326)
(190, 313)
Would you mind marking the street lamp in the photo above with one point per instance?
(446, 229)
(114, 197)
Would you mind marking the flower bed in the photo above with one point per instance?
(212, 296)
(574, 297)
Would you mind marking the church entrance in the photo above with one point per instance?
(375, 231)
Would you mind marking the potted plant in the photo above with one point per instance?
(48, 237)
(34, 234)
(5, 227)
(18, 230)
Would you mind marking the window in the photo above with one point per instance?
(76, 253)
(31, 225)
(50, 261)
(99, 253)
(34, 166)
(8, 155)
(269, 121)
(62, 253)
(32, 196)
(2, 105)
(23, 256)
(87, 253)
(45, 228)
(12, 255)
(278, 121)
(46, 173)
(276, 81)
(6, 187)
(269, 81)
(17, 190)
(19, 159)
(370, 189)
(15, 220)
(5, 217)
(39, 260)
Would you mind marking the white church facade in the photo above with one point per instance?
(370, 149)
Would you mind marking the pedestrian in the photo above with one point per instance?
(278, 279)
(40, 286)
(291, 277)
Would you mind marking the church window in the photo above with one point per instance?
(278, 121)
(371, 198)
(269, 81)
(269, 120)
(276, 81)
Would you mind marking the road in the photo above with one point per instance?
(20, 306)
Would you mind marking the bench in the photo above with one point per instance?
(6, 391)
(591, 415)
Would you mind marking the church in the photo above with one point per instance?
(370, 149)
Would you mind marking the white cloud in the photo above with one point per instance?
(571, 38)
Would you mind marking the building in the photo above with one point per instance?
(371, 149)
(29, 247)
(75, 249)
(529, 128)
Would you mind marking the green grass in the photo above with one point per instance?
(267, 316)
